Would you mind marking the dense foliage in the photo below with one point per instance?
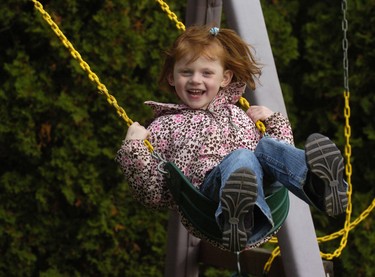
(65, 209)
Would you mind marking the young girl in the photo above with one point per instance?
(218, 146)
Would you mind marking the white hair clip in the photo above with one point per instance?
(214, 31)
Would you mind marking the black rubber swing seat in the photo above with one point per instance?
(200, 210)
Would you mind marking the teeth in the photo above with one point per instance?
(195, 91)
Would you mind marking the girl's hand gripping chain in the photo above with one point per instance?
(259, 113)
(137, 131)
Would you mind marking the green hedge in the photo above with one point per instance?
(64, 207)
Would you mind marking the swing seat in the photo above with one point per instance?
(200, 210)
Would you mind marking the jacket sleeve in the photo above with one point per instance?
(278, 126)
(140, 170)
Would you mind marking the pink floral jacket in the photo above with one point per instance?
(195, 140)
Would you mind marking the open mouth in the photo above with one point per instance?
(195, 92)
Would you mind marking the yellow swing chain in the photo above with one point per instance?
(172, 16)
(348, 151)
(347, 133)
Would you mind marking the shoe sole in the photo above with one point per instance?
(326, 162)
(238, 198)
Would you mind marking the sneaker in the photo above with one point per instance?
(326, 166)
(238, 199)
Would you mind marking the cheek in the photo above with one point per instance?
(179, 88)
(179, 83)
(215, 84)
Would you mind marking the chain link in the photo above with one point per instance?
(348, 168)
(352, 225)
(246, 105)
(268, 264)
(345, 44)
(347, 133)
(330, 237)
(172, 16)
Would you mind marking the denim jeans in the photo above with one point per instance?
(275, 160)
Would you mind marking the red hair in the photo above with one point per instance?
(227, 46)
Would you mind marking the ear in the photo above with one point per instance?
(170, 79)
(227, 78)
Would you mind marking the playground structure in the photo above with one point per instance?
(299, 247)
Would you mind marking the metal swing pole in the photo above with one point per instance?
(297, 238)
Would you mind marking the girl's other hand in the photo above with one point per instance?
(259, 113)
(137, 131)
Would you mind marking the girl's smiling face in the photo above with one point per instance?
(198, 82)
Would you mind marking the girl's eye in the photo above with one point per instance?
(185, 72)
(207, 73)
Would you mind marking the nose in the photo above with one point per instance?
(195, 78)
